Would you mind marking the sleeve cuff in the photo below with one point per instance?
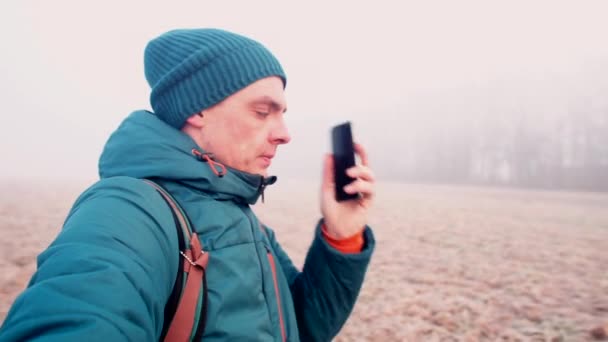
(350, 245)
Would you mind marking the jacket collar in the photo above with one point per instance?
(143, 146)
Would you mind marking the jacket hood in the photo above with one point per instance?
(143, 146)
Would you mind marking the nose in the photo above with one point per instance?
(279, 134)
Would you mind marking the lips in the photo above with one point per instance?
(267, 158)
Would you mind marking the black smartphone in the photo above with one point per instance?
(344, 158)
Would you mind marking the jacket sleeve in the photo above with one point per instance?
(324, 293)
(107, 275)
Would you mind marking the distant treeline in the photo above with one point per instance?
(569, 152)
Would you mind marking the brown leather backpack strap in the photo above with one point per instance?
(195, 263)
(186, 321)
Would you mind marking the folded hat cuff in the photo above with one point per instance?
(200, 82)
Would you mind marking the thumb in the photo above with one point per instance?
(328, 182)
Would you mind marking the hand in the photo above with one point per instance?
(347, 218)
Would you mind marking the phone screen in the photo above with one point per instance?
(344, 158)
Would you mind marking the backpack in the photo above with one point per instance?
(186, 308)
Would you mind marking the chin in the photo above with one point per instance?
(261, 172)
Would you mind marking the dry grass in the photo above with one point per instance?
(452, 263)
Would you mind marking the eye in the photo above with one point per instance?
(262, 114)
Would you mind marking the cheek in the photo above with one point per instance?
(243, 140)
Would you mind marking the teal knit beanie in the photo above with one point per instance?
(192, 69)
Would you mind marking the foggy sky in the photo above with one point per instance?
(71, 72)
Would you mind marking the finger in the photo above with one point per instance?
(328, 172)
(360, 150)
(361, 171)
(360, 186)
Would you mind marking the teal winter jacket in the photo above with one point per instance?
(109, 273)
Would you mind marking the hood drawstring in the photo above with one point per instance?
(208, 158)
(220, 170)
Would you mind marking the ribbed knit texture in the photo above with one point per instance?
(190, 70)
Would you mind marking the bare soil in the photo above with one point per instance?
(452, 263)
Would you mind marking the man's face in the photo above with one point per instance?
(245, 129)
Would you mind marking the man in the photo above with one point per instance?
(218, 101)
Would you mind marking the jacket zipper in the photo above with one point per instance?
(274, 275)
(277, 292)
(261, 188)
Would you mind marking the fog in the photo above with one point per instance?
(509, 93)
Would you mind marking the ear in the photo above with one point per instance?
(197, 120)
